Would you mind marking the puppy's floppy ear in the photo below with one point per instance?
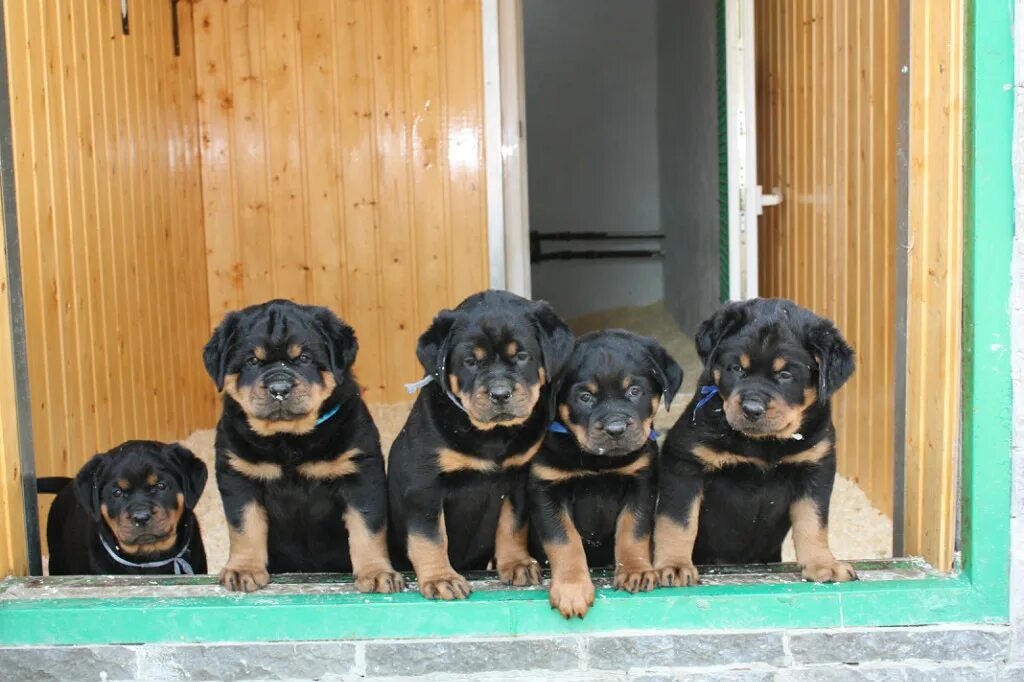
(432, 348)
(87, 484)
(215, 353)
(726, 321)
(340, 340)
(834, 356)
(666, 370)
(191, 472)
(556, 339)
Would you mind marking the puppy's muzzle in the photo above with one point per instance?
(500, 391)
(279, 385)
(753, 407)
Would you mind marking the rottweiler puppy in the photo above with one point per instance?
(457, 471)
(299, 464)
(592, 486)
(128, 511)
(755, 452)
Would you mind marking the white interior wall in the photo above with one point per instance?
(688, 127)
(591, 103)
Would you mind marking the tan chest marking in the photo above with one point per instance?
(714, 460)
(523, 458)
(260, 471)
(554, 474)
(450, 461)
(812, 455)
(339, 467)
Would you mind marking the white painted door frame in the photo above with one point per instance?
(741, 130)
(508, 214)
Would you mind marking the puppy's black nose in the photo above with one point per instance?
(141, 517)
(615, 428)
(500, 392)
(279, 388)
(754, 409)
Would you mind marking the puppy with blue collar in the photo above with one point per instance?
(592, 485)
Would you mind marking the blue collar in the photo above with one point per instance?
(327, 415)
(708, 392)
(556, 427)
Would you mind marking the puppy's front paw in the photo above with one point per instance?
(680, 575)
(244, 578)
(828, 571)
(382, 582)
(635, 581)
(572, 599)
(521, 572)
(446, 587)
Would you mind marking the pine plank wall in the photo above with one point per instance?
(827, 113)
(329, 152)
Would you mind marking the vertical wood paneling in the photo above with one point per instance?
(107, 180)
(934, 276)
(827, 76)
(827, 136)
(343, 164)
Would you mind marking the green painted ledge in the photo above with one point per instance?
(487, 613)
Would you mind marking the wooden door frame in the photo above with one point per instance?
(14, 380)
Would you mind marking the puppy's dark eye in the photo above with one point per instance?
(784, 376)
(117, 492)
(522, 356)
(634, 392)
(585, 398)
(161, 486)
(469, 362)
(252, 361)
(304, 359)
(736, 369)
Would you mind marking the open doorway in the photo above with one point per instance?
(629, 155)
(622, 113)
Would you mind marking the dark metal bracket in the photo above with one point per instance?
(537, 255)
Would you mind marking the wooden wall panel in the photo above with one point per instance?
(827, 78)
(105, 141)
(342, 156)
(934, 276)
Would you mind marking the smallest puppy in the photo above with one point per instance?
(129, 511)
(592, 485)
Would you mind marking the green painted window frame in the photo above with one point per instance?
(979, 593)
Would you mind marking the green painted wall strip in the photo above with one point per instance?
(988, 239)
(723, 158)
(255, 617)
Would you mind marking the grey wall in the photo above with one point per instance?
(688, 126)
(591, 108)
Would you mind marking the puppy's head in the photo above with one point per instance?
(613, 385)
(139, 490)
(280, 361)
(495, 352)
(772, 360)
